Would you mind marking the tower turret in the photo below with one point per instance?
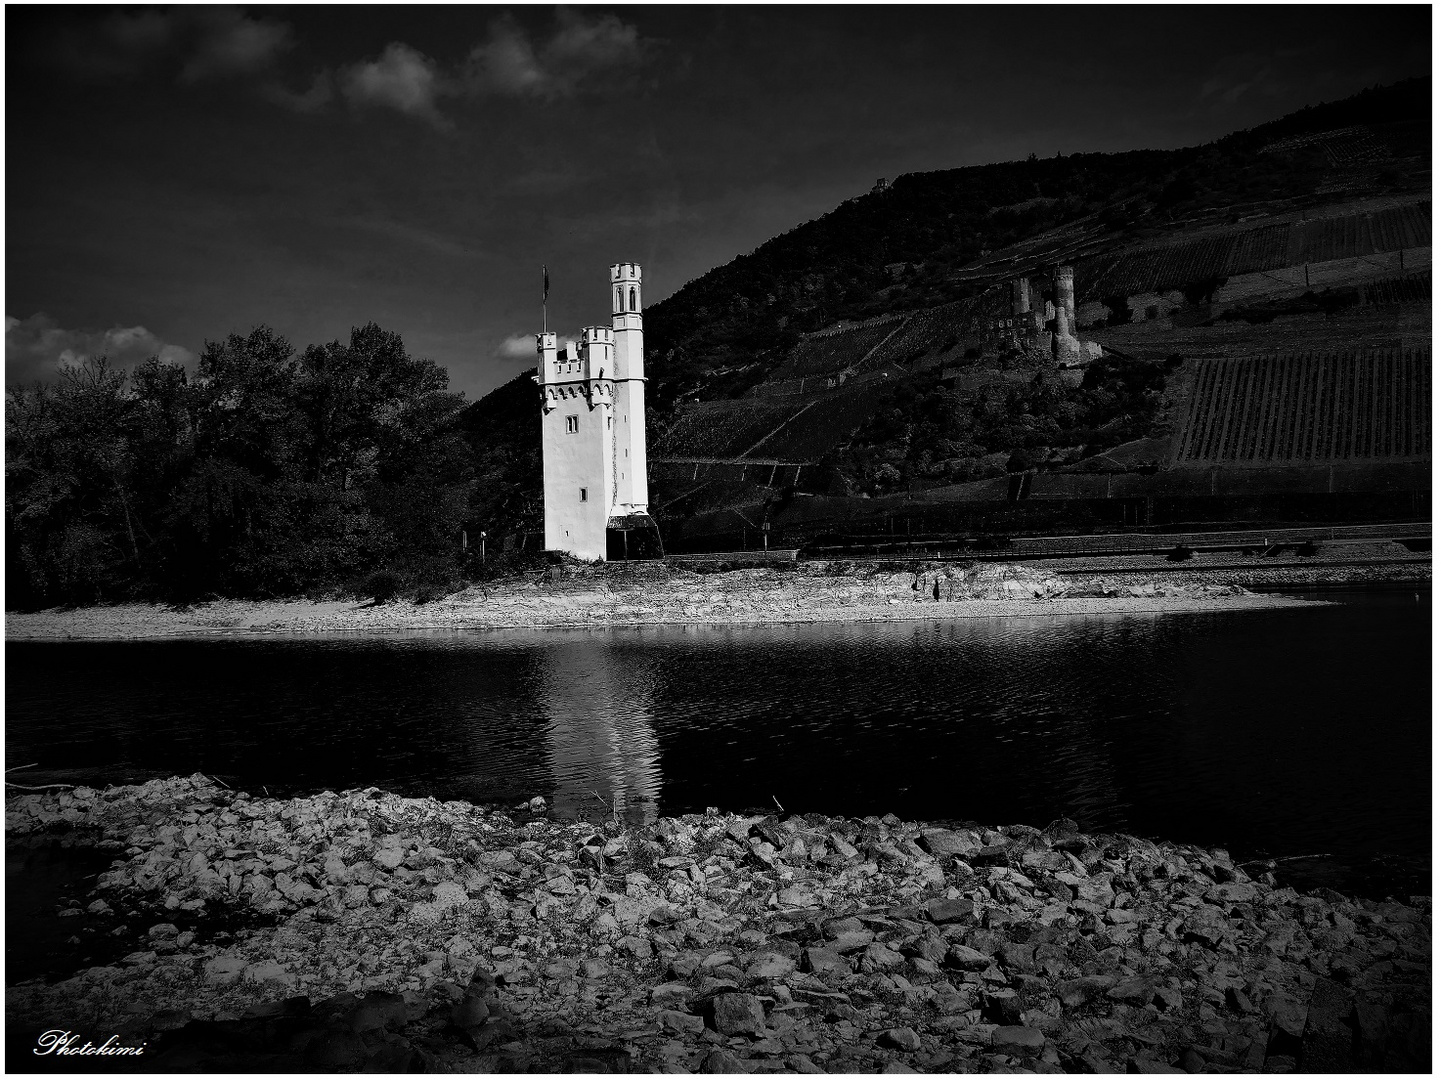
(1065, 346)
(632, 490)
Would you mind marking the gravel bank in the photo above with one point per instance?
(408, 933)
(641, 595)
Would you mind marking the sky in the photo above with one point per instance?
(175, 175)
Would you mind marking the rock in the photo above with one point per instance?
(770, 966)
(851, 940)
(335, 1050)
(680, 1023)
(668, 994)
(1238, 1001)
(379, 1011)
(1326, 1043)
(947, 842)
(224, 970)
(470, 1012)
(269, 973)
(879, 957)
(1017, 1039)
(950, 911)
(1287, 1014)
(723, 1061)
(799, 1063)
(448, 894)
(389, 857)
(1002, 1006)
(967, 959)
(819, 961)
(738, 1014)
(1136, 991)
(900, 1039)
(1191, 1061)
(1144, 1063)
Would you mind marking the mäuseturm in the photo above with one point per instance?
(592, 398)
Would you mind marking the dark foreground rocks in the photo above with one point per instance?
(406, 934)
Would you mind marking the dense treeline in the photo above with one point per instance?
(266, 473)
(926, 431)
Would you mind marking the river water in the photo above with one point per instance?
(1283, 732)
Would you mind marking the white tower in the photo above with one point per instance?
(577, 440)
(593, 425)
(632, 491)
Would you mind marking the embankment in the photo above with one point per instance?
(653, 594)
(392, 933)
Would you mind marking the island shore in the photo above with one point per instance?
(655, 594)
(386, 933)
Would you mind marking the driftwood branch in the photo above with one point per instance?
(41, 787)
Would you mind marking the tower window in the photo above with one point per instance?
(572, 424)
(582, 494)
(632, 299)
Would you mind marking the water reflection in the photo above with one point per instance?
(600, 739)
(1240, 728)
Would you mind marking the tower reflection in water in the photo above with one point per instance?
(600, 733)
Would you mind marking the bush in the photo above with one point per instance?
(1203, 291)
(1119, 311)
(382, 586)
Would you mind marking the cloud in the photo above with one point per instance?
(197, 43)
(581, 48)
(37, 348)
(229, 43)
(320, 94)
(517, 347)
(403, 78)
(522, 346)
(1244, 73)
(194, 44)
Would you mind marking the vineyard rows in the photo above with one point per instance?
(1411, 289)
(824, 353)
(826, 424)
(1309, 409)
(1269, 247)
(1344, 147)
(724, 429)
(931, 330)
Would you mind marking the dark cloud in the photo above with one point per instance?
(193, 43)
(579, 51)
(38, 348)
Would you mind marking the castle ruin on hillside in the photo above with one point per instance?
(1050, 326)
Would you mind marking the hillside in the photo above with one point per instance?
(869, 353)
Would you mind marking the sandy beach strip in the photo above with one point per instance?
(233, 618)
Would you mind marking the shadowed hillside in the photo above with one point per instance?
(874, 352)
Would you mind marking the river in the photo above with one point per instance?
(1285, 732)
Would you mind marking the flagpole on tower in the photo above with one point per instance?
(544, 295)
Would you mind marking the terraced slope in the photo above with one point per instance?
(1308, 409)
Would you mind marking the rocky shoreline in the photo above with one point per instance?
(582, 595)
(388, 934)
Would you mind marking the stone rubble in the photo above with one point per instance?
(392, 934)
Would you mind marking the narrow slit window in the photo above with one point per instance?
(632, 299)
(582, 494)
